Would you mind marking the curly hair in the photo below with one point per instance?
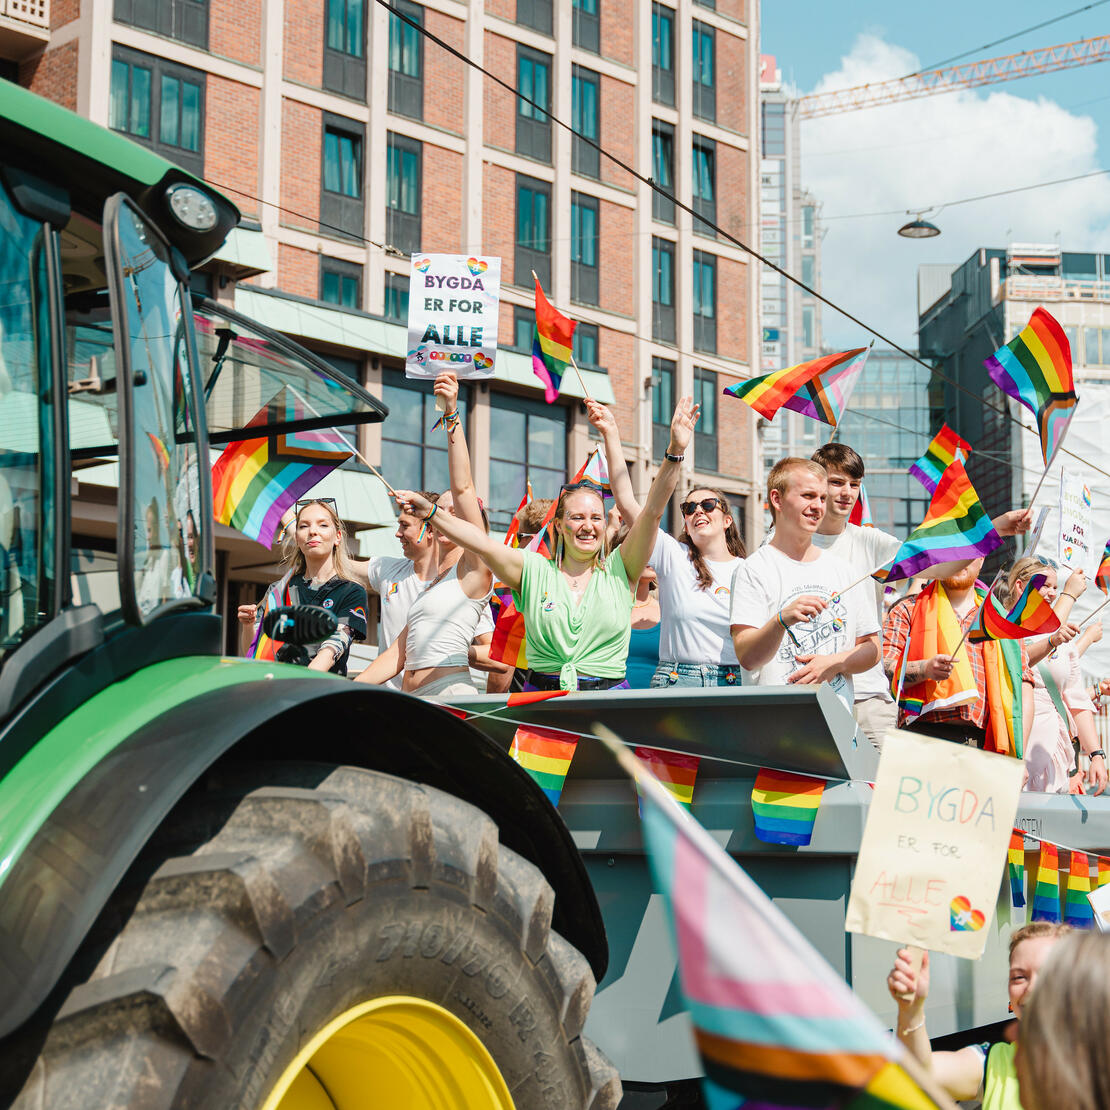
(733, 541)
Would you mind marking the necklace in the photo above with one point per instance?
(641, 604)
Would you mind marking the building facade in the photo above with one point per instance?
(350, 139)
(789, 236)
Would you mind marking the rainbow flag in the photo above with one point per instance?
(262, 647)
(509, 643)
(1035, 369)
(818, 389)
(1015, 867)
(545, 753)
(1077, 910)
(1102, 575)
(255, 481)
(160, 452)
(1103, 871)
(551, 345)
(861, 510)
(785, 805)
(1046, 893)
(1031, 616)
(945, 447)
(596, 470)
(674, 770)
(773, 1022)
(956, 526)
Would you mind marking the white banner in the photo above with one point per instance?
(1075, 521)
(453, 313)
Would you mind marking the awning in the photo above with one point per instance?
(246, 251)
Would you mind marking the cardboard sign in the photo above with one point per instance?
(935, 844)
(453, 312)
(1100, 903)
(1075, 521)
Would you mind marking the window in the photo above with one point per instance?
(774, 130)
(583, 249)
(808, 321)
(184, 20)
(705, 95)
(584, 346)
(533, 231)
(417, 455)
(533, 124)
(406, 61)
(345, 48)
(160, 104)
(712, 4)
(535, 13)
(662, 54)
(705, 302)
(529, 445)
(1096, 346)
(587, 25)
(340, 282)
(585, 159)
(809, 270)
(662, 405)
(662, 290)
(341, 205)
(705, 184)
(807, 225)
(524, 327)
(662, 170)
(396, 297)
(403, 190)
(705, 432)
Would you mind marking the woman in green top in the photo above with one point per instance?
(577, 607)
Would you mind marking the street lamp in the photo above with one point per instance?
(919, 229)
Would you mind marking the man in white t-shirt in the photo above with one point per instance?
(866, 550)
(794, 619)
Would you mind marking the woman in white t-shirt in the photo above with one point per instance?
(694, 575)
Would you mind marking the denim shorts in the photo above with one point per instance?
(668, 675)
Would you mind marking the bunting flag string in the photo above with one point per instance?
(674, 770)
(784, 806)
(546, 754)
(1046, 892)
(1077, 910)
(1016, 868)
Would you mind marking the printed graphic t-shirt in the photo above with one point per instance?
(768, 580)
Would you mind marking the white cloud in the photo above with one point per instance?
(924, 152)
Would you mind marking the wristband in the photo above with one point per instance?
(1096, 752)
(673, 458)
(911, 1028)
(435, 509)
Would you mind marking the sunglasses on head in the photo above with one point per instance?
(317, 501)
(706, 504)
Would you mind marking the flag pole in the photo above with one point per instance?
(986, 597)
(581, 380)
(1094, 613)
(1051, 460)
(859, 581)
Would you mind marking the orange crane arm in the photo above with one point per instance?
(1085, 52)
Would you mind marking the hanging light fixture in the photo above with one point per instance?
(918, 228)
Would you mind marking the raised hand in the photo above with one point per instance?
(685, 417)
(1013, 523)
(903, 980)
(247, 614)
(1076, 583)
(600, 417)
(447, 387)
(412, 502)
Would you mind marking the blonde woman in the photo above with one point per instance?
(319, 573)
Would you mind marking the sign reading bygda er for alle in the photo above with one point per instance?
(453, 312)
(934, 847)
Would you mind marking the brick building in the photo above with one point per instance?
(337, 128)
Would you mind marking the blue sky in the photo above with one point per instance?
(941, 148)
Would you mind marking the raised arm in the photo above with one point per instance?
(606, 423)
(638, 544)
(388, 663)
(505, 562)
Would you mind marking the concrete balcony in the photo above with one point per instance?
(24, 28)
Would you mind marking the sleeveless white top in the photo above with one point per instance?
(442, 623)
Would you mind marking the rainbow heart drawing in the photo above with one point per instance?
(477, 266)
(482, 362)
(423, 265)
(962, 918)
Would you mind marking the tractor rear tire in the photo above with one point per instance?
(282, 898)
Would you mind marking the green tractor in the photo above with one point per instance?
(223, 882)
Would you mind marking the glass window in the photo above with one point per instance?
(808, 321)
(704, 67)
(533, 124)
(342, 163)
(662, 290)
(340, 282)
(1083, 267)
(533, 231)
(705, 301)
(809, 270)
(184, 20)
(662, 54)
(530, 445)
(396, 297)
(406, 61)
(705, 187)
(180, 122)
(346, 27)
(807, 225)
(774, 129)
(403, 192)
(524, 327)
(584, 285)
(535, 13)
(662, 404)
(585, 159)
(417, 455)
(584, 345)
(705, 432)
(662, 170)
(130, 98)
(586, 26)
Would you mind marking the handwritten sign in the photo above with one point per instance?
(934, 847)
(1075, 521)
(453, 307)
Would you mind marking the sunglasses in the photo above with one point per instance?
(318, 501)
(707, 504)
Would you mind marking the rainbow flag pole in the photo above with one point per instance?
(1098, 610)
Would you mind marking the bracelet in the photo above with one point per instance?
(1098, 752)
(673, 458)
(435, 509)
(778, 617)
(912, 1028)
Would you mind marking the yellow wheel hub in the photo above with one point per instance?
(397, 1052)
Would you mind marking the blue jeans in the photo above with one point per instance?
(668, 675)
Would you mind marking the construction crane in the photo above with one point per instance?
(1085, 52)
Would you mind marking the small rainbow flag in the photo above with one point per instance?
(1031, 616)
(785, 805)
(945, 447)
(160, 452)
(1015, 867)
(1102, 575)
(509, 642)
(1077, 910)
(551, 345)
(1046, 893)
(1103, 871)
(675, 771)
(514, 524)
(955, 527)
(596, 470)
(262, 647)
(861, 510)
(255, 481)
(1035, 369)
(818, 389)
(545, 753)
